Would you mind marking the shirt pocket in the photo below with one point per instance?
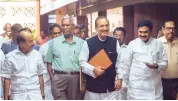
(154, 57)
(74, 56)
(56, 53)
(18, 68)
(32, 67)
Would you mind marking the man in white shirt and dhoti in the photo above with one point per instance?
(55, 31)
(23, 69)
(144, 60)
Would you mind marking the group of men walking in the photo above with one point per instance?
(145, 69)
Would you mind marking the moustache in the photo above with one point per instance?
(105, 31)
(143, 36)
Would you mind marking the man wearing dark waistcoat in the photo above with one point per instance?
(101, 84)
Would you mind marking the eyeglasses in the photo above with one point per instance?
(116, 36)
(66, 25)
(56, 32)
(170, 28)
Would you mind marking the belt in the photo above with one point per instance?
(67, 73)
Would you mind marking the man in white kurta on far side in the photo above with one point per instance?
(144, 60)
(120, 34)
(54, 31)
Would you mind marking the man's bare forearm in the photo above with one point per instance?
(50, 71)
(41, 84)
(6, 86)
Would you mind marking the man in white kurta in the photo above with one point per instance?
(145, 59)
(120, 34)
(23, 68)
(55, 28)
(47, 82)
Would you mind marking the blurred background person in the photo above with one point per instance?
(7, 29)
(43, 38)
(120, 34)
(77, 31)
(55, 30)
(8, 47)
(161, 32)
(6, 36)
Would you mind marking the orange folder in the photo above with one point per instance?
(101, 59)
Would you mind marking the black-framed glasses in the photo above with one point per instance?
(170, 28)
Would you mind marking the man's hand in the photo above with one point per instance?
(43, 97)
(99, 71)
(152, 66)
(50, 71)
(177, 97)
(6, 88)
(118, 84)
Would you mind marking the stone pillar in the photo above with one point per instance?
(38, 18)
(128, 19)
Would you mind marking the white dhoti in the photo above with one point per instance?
(29, 95)
(101, 96)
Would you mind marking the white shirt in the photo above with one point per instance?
(123, 46)
(4, 40)
(122, 93)
(23, 70)
(47, 82)
(44, 50)
(2, 57)
(144, 83)
(84, 56)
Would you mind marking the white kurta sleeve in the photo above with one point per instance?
(162, 58)
(6, 69)
(119, 68)
(123, 63)
(83, 58)
(41, 66)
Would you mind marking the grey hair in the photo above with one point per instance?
(68, 17)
